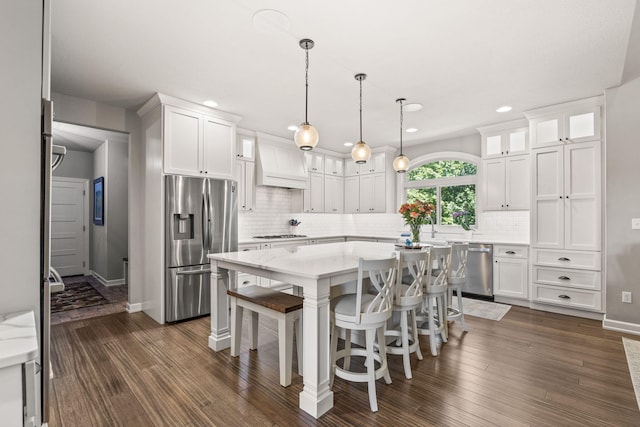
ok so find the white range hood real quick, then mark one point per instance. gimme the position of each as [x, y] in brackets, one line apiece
[280, 163]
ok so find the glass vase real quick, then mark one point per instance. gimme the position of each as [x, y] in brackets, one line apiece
[415, 233]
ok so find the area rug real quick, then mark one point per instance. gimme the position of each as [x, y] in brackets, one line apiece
[632, 350]
[485, 309]
[76, 295]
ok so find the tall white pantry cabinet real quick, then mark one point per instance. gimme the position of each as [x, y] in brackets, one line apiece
[566, 211]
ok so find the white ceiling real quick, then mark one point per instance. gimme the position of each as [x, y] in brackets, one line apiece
[461, 59]
[84, 138]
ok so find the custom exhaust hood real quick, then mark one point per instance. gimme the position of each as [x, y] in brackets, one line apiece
[279, 163]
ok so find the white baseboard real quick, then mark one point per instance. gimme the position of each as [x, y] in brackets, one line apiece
[134, 308]
[616, 325]
[105, 282]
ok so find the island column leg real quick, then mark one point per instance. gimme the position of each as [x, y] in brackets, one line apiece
[316, 397]
[220, 337]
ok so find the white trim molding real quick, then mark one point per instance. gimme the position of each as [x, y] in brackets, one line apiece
[107, 283]
[134, 308]
[617, 325]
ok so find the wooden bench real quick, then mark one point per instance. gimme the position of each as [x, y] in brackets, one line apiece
[285, 308]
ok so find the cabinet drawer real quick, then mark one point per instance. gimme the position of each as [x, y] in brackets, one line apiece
[510, 251]
[574, 298]
[585, 279]
[569, 259]
[248, 247]
[245, 280]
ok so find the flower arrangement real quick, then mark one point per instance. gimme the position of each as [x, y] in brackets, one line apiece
[462, 219]
[415, 214]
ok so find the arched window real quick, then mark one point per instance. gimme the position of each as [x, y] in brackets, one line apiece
[447, 183]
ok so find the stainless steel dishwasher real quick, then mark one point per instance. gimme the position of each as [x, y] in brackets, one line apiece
[479, 270]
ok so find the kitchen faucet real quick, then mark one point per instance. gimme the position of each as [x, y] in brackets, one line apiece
[433, 227]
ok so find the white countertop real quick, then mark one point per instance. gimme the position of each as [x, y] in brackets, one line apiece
[18, 338]
[311, 261]
[477, 238]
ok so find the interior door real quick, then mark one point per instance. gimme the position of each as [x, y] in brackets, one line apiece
[69, 217]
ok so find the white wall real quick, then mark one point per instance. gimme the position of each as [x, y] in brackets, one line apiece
[622, 201]
[99, 232]
[20, 85]
[117, 208]
[76, 164]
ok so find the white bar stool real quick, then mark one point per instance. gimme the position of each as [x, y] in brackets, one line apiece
[285, 308]
[456, 280]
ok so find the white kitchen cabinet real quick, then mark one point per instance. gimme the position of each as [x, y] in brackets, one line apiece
[510, 271]
[196, 144]
[566, 197]
[372, 193]
[326, 240]
[289, 245]
[351, 168]
[498, 141]
[575, 122]
[376, 164]
[245, 145]
[333, 194]
[314, 162]
[506, 183]
[352, 194]
[313, 198]
[333, 166]
[246, 279]
[245, 175]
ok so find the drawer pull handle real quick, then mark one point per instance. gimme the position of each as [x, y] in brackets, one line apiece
[564, 296]
[244, 250]
[564, 278]
[246, 282]
[562, 258]
[511, 252]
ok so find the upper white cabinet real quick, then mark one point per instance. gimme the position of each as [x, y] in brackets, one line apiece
[372, 193]
[566, 197]
[507, 183]
[245, 145]
[333, 166]
[314, 161]
[197, 144]
[579, 121]
[333, 194]
[505, 139]
[245, 175]
[313, 198]
[376, 164]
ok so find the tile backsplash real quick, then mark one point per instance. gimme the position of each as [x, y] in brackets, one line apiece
[274, 208]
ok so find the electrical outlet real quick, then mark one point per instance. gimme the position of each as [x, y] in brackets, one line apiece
[626, 297]
[635, 223]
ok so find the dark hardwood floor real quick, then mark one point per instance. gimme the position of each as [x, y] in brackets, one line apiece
[531, 368]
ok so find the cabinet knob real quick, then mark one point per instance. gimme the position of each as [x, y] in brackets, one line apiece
[566, 197]
[507, 205]
[496, 261]
[200, 171]
[560, 140]
[561, 197]
[502, 152]
[502, 206]
[507, 151]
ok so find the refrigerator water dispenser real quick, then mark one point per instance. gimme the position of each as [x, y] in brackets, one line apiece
[182, 226]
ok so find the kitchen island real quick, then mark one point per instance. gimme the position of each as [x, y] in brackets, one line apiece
[314, 269]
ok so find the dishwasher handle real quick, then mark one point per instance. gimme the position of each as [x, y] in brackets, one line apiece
[485, 250]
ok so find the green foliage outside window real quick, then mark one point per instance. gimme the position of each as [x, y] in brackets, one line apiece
[453, 198]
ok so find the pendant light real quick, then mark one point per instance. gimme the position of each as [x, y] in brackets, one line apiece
[361, 151]
[306, 137]
[401, 163]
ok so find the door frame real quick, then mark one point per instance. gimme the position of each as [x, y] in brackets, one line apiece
[85, 239]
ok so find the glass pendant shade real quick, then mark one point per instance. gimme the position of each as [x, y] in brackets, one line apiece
[361, 152]
[401, 163]
[306, 137]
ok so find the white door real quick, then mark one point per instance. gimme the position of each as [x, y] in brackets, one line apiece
[69, 234]
[517, 180]
[548, 198]
[510, 277]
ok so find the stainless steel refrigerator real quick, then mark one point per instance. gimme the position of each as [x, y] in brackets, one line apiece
[200, 218]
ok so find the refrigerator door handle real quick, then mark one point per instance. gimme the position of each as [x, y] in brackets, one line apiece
[209, 220]
[192, 273]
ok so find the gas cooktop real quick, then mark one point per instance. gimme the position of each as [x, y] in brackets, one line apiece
[280, 236]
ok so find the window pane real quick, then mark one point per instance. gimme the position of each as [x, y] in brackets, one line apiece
[427, 195]
[458, 198]
[442, 169]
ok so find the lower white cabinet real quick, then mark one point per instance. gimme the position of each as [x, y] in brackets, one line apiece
[245, 279]
[327, 240]
[567, 278]
[274, 284]
[510, 271]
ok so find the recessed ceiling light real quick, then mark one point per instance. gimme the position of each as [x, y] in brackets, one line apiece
[503, 109]
[210, 103]
[348, 144]
[270, 21]
[410, 108]
[412, 130]
[293, 128]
